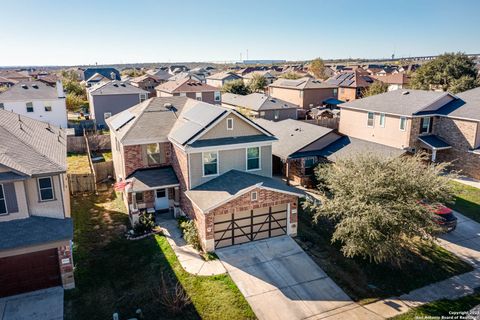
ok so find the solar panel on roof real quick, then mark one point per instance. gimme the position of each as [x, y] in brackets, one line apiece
[203, 113]
[121, 120]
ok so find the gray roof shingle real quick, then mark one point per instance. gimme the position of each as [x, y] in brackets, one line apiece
[302, 83]
[230, 185]
[466, 107]
[151, 178]
[257, 102]
[30, 146]
[115, 87]
[34, 230]
[30, 90]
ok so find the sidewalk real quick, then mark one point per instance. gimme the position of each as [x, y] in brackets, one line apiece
[468, 181]
[189, 258]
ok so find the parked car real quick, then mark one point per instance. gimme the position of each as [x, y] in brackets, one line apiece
[444, 215]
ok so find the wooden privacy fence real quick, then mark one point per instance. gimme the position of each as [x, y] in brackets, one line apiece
[102, 170]
[78, 182]
[97, 142]
[331, 123]
[76, 144]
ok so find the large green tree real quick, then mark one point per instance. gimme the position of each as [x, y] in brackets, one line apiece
[317, 68]
[454, 72]
[376, 87]
[374, 204]
[258, 83]
[236, 87]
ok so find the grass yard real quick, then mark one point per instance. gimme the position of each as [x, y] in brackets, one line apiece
[366, 282]
[467, 200]
[107, 155]
[78, 163]
[116, 275]
[442, 308]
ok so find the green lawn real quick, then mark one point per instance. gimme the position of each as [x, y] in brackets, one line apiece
[116, 275]
[442, 308]
[467, 200]
[78, 163]
[366, 282]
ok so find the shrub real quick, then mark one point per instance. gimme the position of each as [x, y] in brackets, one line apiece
[190, 234]
[145, 224]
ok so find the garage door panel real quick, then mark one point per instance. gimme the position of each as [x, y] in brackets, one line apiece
[29, 272]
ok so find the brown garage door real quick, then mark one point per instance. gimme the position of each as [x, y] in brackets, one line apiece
[250, 225]
[29, 272]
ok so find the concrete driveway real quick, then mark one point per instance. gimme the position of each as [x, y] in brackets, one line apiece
[46, 304]
[280, 281]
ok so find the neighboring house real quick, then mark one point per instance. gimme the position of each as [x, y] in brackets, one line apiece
[95, 79]
[442, 124]
[110, 73]
[187, 75]
[35, 224]
[304, 92]
[37, 100]
[14, 75]
[394, 81]
[259, 105]
[207, 162]
[269, 77]
[295, 154]
[190, 88]
[351, 84]
[161, 74]
[219, 79]
[7, 83]
[148, 83]
[109, 98]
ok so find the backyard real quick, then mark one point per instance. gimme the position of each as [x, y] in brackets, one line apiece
[467, 200]
[366, 281]
[77, 163]
[113, 274]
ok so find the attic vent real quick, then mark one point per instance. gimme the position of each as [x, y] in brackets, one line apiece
[34, 86]
[170, 107]
[405, 93]
[272, 100]
[115, 85]
[123, 85]
[24, 86]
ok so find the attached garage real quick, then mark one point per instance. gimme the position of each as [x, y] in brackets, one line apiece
[29, 272]
[250, 225]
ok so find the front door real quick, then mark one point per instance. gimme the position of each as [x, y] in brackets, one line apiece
[161, 199]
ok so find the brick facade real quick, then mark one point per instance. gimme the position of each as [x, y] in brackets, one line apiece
[135, 157]
[66, 266]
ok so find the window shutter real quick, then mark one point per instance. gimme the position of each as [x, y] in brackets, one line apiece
[10, 197]
[421, 124]
[144, 155]
[431, 125]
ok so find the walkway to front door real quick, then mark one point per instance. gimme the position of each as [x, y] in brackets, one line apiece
[161, 199]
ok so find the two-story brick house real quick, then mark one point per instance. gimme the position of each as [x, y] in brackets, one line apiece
[445, 125]
[207, 162]
[35, 224]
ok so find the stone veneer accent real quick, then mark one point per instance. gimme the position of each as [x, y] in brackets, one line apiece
[66, 268]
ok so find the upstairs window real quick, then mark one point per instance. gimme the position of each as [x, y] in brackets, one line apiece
[217, 95]
[2, 106]
[309, 164]
[230, 124]
[425, 125]
[254, 196]
[154, 154]
[3, 203]
[29, 107]
[382, 120]
[370, 119]
[48, 108]
[403, 123]
[253, 158]
[45, 189]
[143, 97]
[210, 163]
[198, 95]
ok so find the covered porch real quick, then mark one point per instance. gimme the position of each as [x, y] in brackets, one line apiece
[434, 144]
[152, 190]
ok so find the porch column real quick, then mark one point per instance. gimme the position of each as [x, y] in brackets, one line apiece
[134, 201]
[434, 155]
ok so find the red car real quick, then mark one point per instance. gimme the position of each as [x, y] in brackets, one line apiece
[444, 215]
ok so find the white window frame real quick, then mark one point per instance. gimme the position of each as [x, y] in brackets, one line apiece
[4, 201]
[40, 189]
[404, 119]
[230, 124]
[183, 94]
[217, 96]
[26, 107]
[382, 120]
[254, 196]
[203, 164]
[107, 115]
[428, 126]
[143, 97]
[198, 96]
[159, 153]
[47, 106]
[259, 159]
[373, 119]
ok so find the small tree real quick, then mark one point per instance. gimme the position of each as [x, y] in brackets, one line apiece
[73, 87]
[317, 67]
[452, 72]
[236, 87]
[374, 204]
[74, 102]
[258, 83]
[376, 87]
[291, 76]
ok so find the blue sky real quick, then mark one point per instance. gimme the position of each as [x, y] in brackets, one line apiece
[86, 32]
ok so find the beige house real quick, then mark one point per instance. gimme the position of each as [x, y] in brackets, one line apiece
[190, 88]
[207, 162]
[304, 92]
[220, 78]
[35, 224]
[446, 126]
